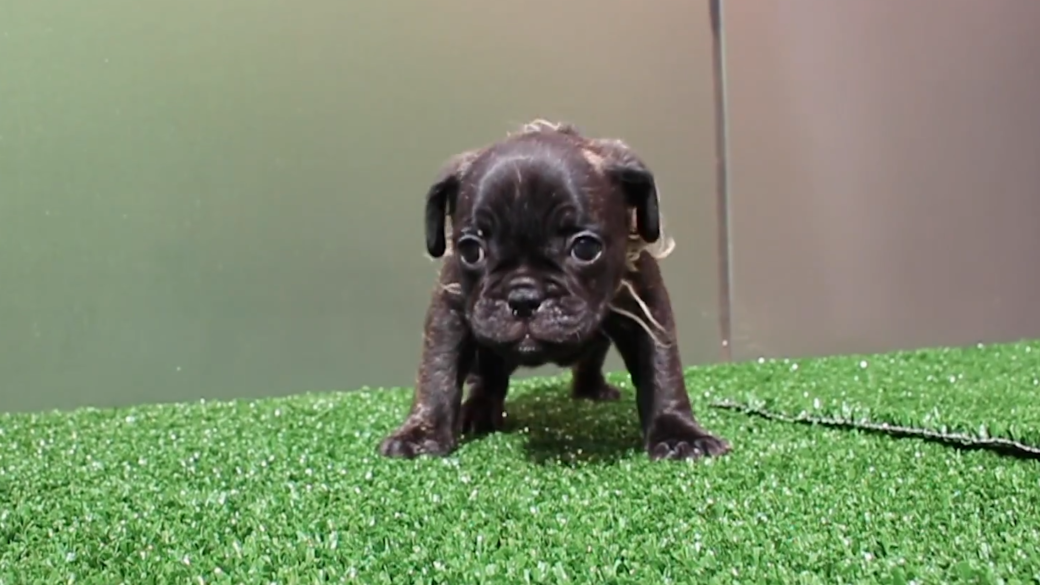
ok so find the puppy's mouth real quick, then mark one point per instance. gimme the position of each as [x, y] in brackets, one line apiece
[556, 325]
[530, 351]
[527, 345]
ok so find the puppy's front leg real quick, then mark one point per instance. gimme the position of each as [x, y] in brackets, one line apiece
[588, 381]
[447, 353]
[670, 429]
[483, 411]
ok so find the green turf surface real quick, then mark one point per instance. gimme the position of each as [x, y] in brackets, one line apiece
[290, 490]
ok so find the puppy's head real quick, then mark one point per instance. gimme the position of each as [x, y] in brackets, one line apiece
[543, 226]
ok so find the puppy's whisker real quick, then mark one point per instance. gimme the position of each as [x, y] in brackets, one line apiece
[538, 125]
[641, 323]
[659, 250]
[642, 305]
[452, 288]
[625, 284]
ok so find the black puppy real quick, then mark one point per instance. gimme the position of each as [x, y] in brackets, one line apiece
[551, 257]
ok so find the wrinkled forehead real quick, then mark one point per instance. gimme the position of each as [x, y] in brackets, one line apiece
[538, 180]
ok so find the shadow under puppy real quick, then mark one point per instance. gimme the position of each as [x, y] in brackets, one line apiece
[549, 258]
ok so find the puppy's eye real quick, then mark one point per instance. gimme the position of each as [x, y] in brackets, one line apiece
[471, 250]
[586, 248]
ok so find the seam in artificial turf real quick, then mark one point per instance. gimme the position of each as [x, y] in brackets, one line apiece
[975, 397]
[997, 445]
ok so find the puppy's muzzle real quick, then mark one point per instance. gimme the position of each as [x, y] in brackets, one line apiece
[524, 297]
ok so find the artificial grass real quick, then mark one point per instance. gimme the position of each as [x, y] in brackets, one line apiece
[291, 490]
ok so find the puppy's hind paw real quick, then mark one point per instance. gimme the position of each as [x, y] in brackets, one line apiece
[596, 390]
[481, 415]
[414, 439]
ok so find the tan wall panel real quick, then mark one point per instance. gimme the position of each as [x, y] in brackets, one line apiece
[885, 173]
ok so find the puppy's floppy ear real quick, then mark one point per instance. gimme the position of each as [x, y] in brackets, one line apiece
[637, 182]
[440, 201]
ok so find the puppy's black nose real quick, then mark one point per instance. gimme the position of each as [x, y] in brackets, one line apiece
[524, 297]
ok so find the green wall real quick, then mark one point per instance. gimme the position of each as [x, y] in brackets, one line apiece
[223, 199]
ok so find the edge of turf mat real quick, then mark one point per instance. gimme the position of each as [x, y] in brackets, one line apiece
[981, 396]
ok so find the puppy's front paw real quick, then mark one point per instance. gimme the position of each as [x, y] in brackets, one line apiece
[598, 390]
[677, 437]
[482, 415]
[416, 438]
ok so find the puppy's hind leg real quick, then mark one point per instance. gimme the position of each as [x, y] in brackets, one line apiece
[589, 383]
[484, 409]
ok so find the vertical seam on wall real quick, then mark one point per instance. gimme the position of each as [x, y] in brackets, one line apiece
[724, 246]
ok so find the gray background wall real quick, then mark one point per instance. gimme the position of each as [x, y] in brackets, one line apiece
[223, 199]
